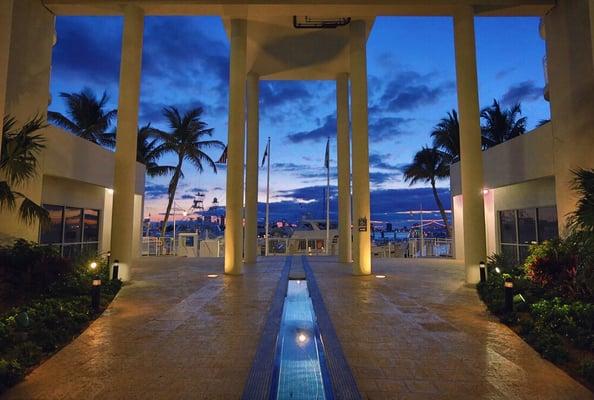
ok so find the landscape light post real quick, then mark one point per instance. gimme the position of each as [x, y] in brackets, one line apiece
[95, 289]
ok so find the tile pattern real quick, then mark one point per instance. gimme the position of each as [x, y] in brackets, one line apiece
[176, 334]
[421, 333]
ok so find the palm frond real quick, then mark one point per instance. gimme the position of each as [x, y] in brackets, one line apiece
[30, 212]
[7, 198]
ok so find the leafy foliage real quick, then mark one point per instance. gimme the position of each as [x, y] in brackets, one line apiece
[19, 164]
[430, 165]
[149, 150]
[582, 219]
[86, 117]
[186, 141]
[38, 328]
[552, 266]
[500, 124]
[446, 136]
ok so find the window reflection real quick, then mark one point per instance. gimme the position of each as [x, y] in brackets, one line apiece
[72, 225]
[53, 233]
[507, 221]
[91, 224]
[547, 223]
[527, 225]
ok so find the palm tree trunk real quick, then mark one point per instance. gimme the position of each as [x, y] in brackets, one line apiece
[441, 209]
[172, 190]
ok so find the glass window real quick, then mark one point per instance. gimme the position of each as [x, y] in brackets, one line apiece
[91, 223]
[547, 224]
[527, 226]
[53, 233]
[72, 225]
[509, 251]
[524, 252]
[507, 222]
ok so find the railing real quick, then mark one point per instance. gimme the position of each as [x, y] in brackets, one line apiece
[430, 247]
[157, 246]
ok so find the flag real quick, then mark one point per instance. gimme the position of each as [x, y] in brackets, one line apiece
[223, 158]
[327, 158]
[265, 153]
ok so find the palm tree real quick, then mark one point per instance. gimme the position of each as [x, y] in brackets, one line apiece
[501, 125]
[186, 141]
[430, 165]
[87, 117]
[583, 216]
[446, 136]
[149, 150]
[18, 164]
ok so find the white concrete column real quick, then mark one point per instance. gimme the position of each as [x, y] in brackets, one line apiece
[591, 6]
[251, 174]
[5, 30]
[361, 209]
[343, 146]
[471, 160]
[123, 221]
[25, 67]
[235, 149]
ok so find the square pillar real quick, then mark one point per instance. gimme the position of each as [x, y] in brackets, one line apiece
[123, 221]
[471, 157]
[343, 146]
[5, 34]
[236, 149]
[251, 174]
[361, 208]
[26, 39]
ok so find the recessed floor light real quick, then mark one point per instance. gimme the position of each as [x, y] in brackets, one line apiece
[212, 275]
[380, 276]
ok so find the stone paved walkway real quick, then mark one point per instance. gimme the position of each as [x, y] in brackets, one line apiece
[420, 333]
[174, 333]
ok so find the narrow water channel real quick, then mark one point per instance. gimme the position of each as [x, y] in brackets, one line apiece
[300, 368]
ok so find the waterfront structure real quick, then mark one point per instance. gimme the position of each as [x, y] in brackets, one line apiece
[291, 40]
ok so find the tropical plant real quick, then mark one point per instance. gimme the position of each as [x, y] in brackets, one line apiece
[582, 218]
[501, 124]
[552, 266]
[430, 165]
[185, 140]
[446, 136]
[18, 164]
[149, 150]
[87, 117]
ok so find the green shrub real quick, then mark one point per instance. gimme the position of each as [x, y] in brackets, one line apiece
[587, 370]
[10, 373]
[548, 344]
[552, 266]
[573, 320]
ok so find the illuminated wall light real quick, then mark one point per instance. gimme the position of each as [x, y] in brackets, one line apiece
[109, 190]
[485, 192]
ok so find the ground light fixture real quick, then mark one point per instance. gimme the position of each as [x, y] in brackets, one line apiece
[116, 270]
[380, 276]
[508, 290]
[212, 275]
[95, 289]
[483, 271]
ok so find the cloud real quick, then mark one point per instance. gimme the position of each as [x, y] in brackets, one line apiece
[327, 129]
[187, 197]
[378, 161]
[523, 91]
[409, 90]
[386, 128]
[274, 94]
[155, 191]
[505, 72]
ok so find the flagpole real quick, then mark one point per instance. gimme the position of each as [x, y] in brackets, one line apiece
[267, 221]
[328, 197]
[422, 233]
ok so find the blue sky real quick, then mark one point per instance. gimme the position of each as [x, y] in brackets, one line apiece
[411, 74]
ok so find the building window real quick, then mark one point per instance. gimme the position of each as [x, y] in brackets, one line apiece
[521, 228]
[72, 230]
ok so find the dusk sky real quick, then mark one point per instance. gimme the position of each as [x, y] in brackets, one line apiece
[411, 74]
